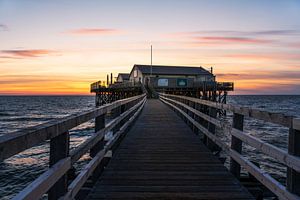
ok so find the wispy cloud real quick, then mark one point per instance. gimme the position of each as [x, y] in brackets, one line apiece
[3, 27]
[29, 78]
[265, 75]
[225, 37]
[94, 31]
[275, 32]
[25, 53]
[264, 82]
[267, 88]
[239, 33]
[261, 56]
[235, 40]
[294, 45]
[217, 41]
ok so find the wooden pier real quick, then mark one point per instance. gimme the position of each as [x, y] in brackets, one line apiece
[161, 158]
[153, 154]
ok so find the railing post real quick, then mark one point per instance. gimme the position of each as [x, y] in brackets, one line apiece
[205, 123]
[99, 124]
[59, 149]
[211, 128]
[185, 110]
[198, 119]
[190, 113]
[116, 113]
[293, 177]
[236, 144]
[195, 129]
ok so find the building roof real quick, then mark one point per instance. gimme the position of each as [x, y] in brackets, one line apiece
[172, 70]
[124, 76]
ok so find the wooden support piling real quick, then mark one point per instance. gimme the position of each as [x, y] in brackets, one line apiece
[236, 144]
[99, 124]
[293, 177]
[59, 149]
[211, 128]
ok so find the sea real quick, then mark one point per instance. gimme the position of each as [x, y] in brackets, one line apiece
[19, 112]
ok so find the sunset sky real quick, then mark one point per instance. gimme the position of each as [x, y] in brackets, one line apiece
[60, 47]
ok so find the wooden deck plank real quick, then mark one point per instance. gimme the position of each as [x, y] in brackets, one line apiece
[161, 158]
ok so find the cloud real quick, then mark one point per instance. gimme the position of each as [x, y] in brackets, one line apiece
[264, 75]
[235, 40]
[93, 31]
[276, 32]
[294, 45]
[219, 37]
[268, 89]
[26, 78]
[239, 33]
[25, 53]
[263, 82]
[3, 27]
[258, 56]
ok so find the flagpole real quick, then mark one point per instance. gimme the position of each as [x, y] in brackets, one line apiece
[151, 62]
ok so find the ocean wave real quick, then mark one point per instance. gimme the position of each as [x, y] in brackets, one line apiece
[18, 119]
[6, 114]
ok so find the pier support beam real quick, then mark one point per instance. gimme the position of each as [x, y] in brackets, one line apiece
[59, 149]
[99, 124]
[236, 144]
[211, 128]
[293, 177]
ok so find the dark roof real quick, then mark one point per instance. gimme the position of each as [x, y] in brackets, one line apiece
[124, 76]
[172, 70]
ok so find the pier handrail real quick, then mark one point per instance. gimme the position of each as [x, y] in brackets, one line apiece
[190, 109]
[54, 180]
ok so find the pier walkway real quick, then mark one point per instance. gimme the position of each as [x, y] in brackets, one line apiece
[161, 158]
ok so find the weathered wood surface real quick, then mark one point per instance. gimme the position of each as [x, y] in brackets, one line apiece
[42, 184]
[161, 158]
[99, 135]
[269, 149]
[90, 168]
[60, 160]
[236, 144]
[268, 181]
[293, 176]
[282, 156]
[13, 143]
[277, 118]
[59, 149]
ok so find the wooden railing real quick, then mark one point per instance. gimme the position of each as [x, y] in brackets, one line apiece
[96, 86]
[192, 110]
[55, 181]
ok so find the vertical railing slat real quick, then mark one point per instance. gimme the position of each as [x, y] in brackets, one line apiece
[293, 177]
[211, 128]
[236, 144]
[99, 124]
[59, 149]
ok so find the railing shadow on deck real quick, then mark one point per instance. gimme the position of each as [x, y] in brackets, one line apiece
[192, 111]
[55, 181]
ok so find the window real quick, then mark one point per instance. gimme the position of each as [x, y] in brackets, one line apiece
[163, 82]
[135, 73]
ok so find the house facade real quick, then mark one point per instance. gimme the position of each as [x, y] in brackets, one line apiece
[169, 76]
[123, 77]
